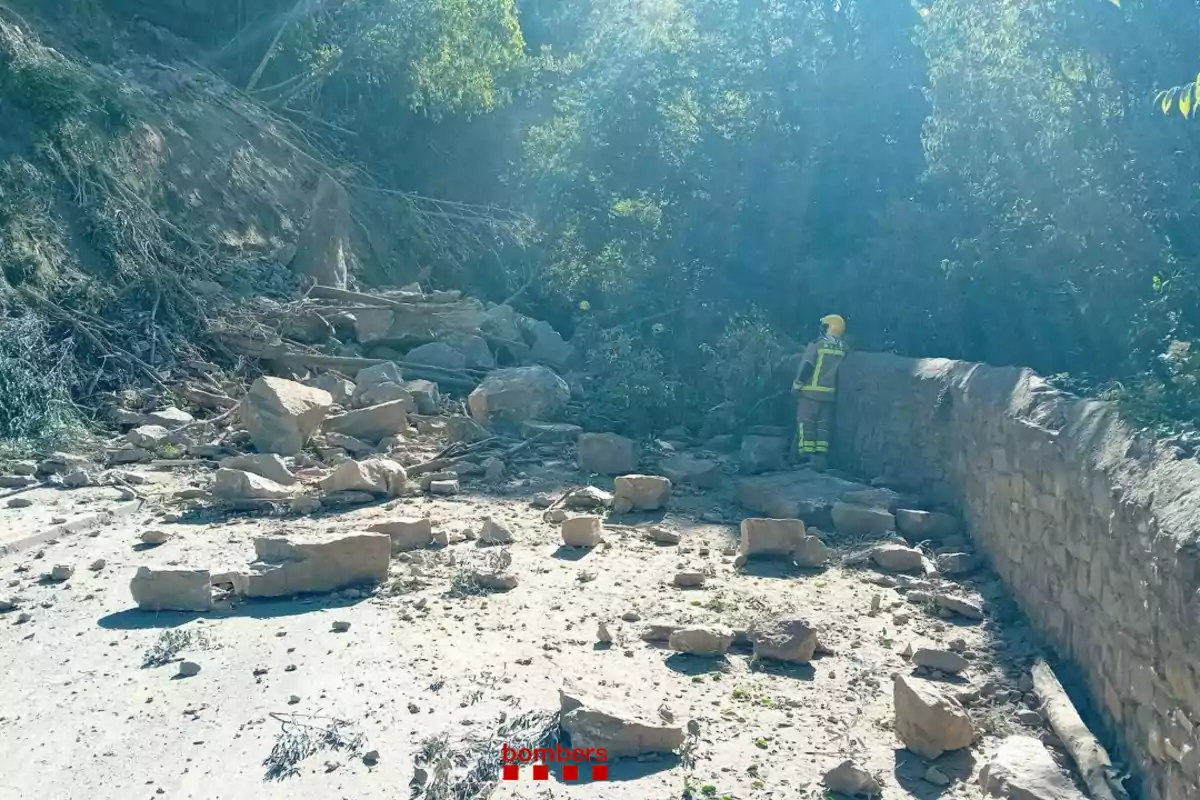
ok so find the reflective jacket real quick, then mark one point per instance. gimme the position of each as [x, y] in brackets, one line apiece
[826, 355]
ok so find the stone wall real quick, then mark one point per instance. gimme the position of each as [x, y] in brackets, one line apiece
[1094, 531]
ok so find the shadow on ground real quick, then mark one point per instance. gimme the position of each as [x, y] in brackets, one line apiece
[137, 619]
[911, 769]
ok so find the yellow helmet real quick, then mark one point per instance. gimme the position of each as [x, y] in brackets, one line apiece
[835, 323]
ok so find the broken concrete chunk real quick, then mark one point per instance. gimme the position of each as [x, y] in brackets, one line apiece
[281, 415]
[850, 779]
[148, 436]
[607, 454]
[942, 660]
[897, 558]
[599, 718]
[792, 640]
[688, 470]
[268, 465]
[1023, 769]
[922, 525]
[518, 394]
[377, 476]
[644, 492]
[582, 531]
[234, 485]
[862, 522]
[493, 532]
[928, 721]
[702, 640]
[406, 534]
[371, 423]
[172, 589]
[288, 565]
[762, 454]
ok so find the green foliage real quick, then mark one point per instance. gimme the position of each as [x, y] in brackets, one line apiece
[634, 390]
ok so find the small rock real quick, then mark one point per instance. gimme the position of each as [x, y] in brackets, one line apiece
[268, 465]
[793, 640]
[762, 454]
[602, 633]
[377, 476]
[957, 605]
[23, 617]
[341, 626]
[371, 758]
[7, 604]
[188, 668]
[19, 502]
[850, 779]
[97, 565]
[77, 479]
[861, 521]
[154, 537]
[236, 485]
[936, 777]
[957, 563]
[1027, 716]
[701, 640]
[928, 721]
[587, 498]
[921, 525]
[942, 660]
[688, 470]
[663, 536]
[493, 532]
[689, 579]
[293, 699]
[495, 581]
[582, 531]
[61, 572]
[557, 515]
[170, 418]
[444, 488]
[493, 470]
[148, 436]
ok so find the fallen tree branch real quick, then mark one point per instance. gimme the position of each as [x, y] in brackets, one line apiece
[462, 380]
[333, 293]
[1086, 751]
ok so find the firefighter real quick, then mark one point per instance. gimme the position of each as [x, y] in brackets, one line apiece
[815, 388]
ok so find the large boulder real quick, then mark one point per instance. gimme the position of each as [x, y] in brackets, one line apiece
[685, 469]
[268, 465]
[921, 525]
[474, 349]
[518, 394]
[763, 454]
[607, 454]
[288, 565]
[373, 422]
[785, 640]
[641, 492]
[598, 717]
[800, 494]
[425, 396]
[929, 721]
[437, 354]
[148, 436]
[172, 589]
[862, 521]
[782, 537]
[235, 485]
[340, 389]
[547, 346]
[377, 476]
[1022, 769]
[281, 415]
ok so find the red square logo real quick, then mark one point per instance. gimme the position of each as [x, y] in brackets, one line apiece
[541, 772]
[599, 772]
[570, 772]
[512, 772]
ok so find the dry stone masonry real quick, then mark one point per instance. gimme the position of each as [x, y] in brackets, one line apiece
[1093, 529]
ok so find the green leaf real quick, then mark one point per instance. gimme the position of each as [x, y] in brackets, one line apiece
[1157, 283]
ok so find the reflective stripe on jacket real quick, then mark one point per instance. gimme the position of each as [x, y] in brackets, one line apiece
[826, 355]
